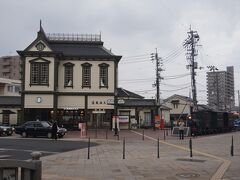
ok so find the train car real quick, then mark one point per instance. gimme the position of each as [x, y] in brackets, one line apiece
[211, 122]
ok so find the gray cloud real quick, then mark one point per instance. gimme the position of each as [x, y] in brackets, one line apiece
[131, 28]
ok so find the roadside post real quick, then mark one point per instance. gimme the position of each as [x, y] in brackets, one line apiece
[88, 148]
[143, 135]
[190, 147]
[124, 148]
[232, 153]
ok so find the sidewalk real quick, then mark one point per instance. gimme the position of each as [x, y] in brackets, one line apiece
[106, 160]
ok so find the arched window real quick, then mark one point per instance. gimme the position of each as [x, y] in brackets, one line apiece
[103, 75]
[39, 73]
[86, 75]
[68, 74]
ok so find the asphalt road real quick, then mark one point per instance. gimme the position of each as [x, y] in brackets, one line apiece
[15, 148]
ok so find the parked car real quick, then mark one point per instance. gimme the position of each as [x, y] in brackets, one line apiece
[38, 128]
[6, 130]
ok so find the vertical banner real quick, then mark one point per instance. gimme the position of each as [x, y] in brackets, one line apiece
[114, 119]
[157, 121]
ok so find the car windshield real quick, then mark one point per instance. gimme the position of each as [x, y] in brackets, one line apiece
[46, 124]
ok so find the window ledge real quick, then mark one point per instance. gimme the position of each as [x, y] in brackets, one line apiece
[86, 87]
[100, 87]
[39, 85]
[68, 86]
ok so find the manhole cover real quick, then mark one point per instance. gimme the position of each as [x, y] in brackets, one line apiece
[187, 175]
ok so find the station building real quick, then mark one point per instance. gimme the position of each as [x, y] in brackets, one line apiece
[69, 78]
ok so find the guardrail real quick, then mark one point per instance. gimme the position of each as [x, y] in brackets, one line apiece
[12, 169]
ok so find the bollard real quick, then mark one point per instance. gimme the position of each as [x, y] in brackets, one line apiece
[232, 154]
[143, 135]
[107, 133]
[37, 173]
[124, 148]
[36, 155]
[190, 147]
[158, 155]
[164, 135]
[88, 148]
[167, 131]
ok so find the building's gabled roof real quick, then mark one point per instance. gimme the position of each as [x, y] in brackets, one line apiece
[123, 93]
[72, 45]
[80, 49]
[10, 101]
[142, 103]
[177, 96]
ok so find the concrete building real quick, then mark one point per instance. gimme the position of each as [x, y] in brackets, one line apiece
[10, 101]
[220, 89]
[10, 67]
[69, 78]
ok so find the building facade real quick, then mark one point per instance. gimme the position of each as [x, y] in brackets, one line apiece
[68, 78]
[180, 107]
[220, 89]
[135, 111]
[10, 67]
[10, 101]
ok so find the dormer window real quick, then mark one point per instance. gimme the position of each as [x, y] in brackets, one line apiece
[40, 46]
[103, 75]
[86, 75]
[68, 74]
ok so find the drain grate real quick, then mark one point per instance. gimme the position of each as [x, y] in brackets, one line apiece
[190, 160]
[187, 175]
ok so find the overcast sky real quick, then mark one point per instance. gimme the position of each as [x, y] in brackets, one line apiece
[134, 29]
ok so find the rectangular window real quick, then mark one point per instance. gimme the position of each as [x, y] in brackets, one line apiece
[104, 76]
[39, 73]
[147, 118]
[68, 81]
[10, 88]
[86, 81]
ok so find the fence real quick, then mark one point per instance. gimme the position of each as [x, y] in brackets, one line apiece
[11, 169]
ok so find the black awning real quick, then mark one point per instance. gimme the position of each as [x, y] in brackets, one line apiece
[7, 112]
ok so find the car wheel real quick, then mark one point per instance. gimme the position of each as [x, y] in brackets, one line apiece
[61, 135]
[49, 135]
[9, 134]
[24, 134]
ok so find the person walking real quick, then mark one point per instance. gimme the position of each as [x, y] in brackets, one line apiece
[54, 130]
[181, 129]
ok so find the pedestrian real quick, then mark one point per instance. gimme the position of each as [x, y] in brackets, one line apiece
[54, 130]
[181, 129]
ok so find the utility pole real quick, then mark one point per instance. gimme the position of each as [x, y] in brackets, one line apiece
[157, 84]
[190, 45]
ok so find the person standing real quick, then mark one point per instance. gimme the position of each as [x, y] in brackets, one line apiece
[181, 129]
[54, 130]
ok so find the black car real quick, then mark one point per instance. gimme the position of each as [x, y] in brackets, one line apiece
[38, 128]
[6, 130]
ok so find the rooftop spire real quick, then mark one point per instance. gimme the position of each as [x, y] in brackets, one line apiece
[40, 24]
[41, 31]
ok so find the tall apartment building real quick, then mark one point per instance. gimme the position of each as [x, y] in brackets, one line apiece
[10, 67]
[220, 89]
